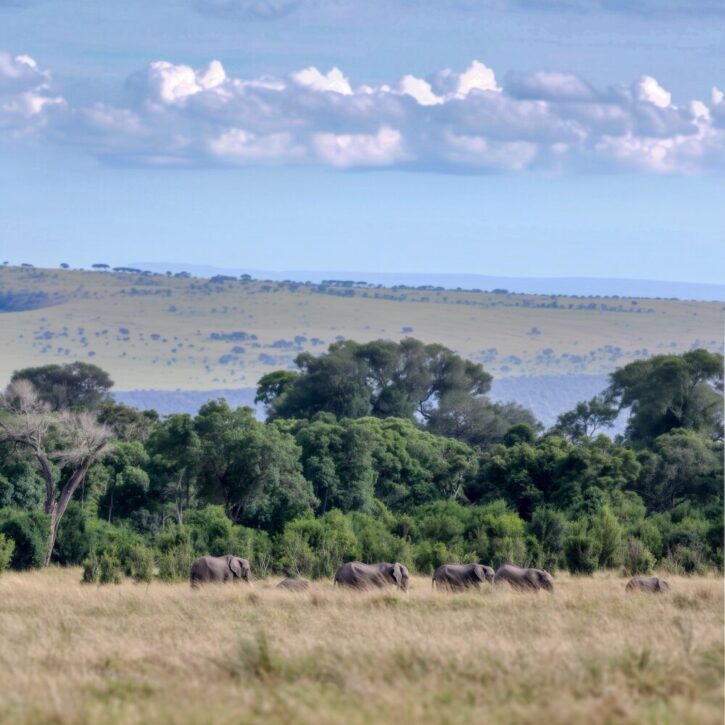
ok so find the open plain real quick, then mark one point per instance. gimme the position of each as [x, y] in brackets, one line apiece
[72, 653]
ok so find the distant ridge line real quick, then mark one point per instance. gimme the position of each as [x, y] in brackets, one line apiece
[575, 286]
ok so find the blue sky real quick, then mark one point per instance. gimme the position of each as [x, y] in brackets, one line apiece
[511, 137]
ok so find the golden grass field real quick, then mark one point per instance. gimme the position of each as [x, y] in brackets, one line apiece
[590, 653]
[169, 323]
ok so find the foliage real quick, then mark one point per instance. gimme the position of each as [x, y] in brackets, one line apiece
[387, 481]
[637, 558]
[28, 530]
[666, 392]
[7, 547]
[581, 554]
[76, 386]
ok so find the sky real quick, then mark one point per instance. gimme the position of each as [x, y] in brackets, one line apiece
[501, 137]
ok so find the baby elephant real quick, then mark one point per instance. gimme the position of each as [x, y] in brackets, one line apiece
[462, 576]
[294, 585]
[212, 569]
[647, 584]
[519, 578]
[357, 575]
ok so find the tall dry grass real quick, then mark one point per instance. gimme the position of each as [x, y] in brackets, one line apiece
[163, 653]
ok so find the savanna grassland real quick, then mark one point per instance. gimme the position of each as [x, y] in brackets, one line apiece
[130, 653]
[167, 333]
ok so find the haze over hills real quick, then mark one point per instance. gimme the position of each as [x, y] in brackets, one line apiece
[579, 286]
[173, 342]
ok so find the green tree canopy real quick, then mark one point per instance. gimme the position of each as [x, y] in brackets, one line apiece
[671, 391]
[380, 378]
[75, 386]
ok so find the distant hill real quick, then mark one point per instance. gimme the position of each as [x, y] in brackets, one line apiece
[173, 342]
[579, 286]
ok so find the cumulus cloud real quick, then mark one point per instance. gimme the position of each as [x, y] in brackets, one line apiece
[26, 98]
[333, 81]
[450, 121]
[383, 148]
[649, 90]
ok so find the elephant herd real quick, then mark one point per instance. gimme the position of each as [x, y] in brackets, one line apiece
[356, 575]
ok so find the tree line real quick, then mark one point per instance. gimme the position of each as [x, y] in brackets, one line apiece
[376, 451]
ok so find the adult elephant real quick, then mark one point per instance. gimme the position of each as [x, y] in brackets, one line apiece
[213, 569]
[292, 584]
[462, 576]
[357, 575]
[647, 584]
[527, 578]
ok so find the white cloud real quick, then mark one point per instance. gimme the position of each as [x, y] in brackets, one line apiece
[420, 90]
[333, 81]
[26, 96]
[649, 90]
[346, 150]
[548, 85]
[237, 145]
[477, 77]
[450, 121]
[168, 83]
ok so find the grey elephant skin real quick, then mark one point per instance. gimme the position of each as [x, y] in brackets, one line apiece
[357, 575]
[520, 578]
[462, 576]
[647, 584]
[220, 569]
[292, 584]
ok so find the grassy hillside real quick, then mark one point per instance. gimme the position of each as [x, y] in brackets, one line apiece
[167, 333]
[164, 653]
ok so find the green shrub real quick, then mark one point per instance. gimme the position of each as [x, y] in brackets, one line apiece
[549, 527]
[80, 532]
[638, 559]
[91, 569]
[581, 554]
[140, 564]
[686, 560]
[316, 547]
[6, 552]
[429, 555]
[109, 569]
[29, 530]
[607, 533]
[175, 562]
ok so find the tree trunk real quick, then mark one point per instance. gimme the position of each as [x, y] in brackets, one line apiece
[58, 508]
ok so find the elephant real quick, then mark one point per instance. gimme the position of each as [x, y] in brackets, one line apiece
[292, 584]
[209, 569]
[519, 578]
[462, 576]
[647, 584]
[357, 575]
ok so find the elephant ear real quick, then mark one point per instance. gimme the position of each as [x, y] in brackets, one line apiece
[235, 565]
[398, 574]
[480, 572]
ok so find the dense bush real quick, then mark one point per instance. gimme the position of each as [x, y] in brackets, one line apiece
[6, 552]
[638, 559]
[581, 554]
[29, 532]
[395, 454]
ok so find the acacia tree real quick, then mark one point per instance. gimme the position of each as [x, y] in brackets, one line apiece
[64, 445]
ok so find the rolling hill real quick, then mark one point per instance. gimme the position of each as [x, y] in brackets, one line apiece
[177, 334]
